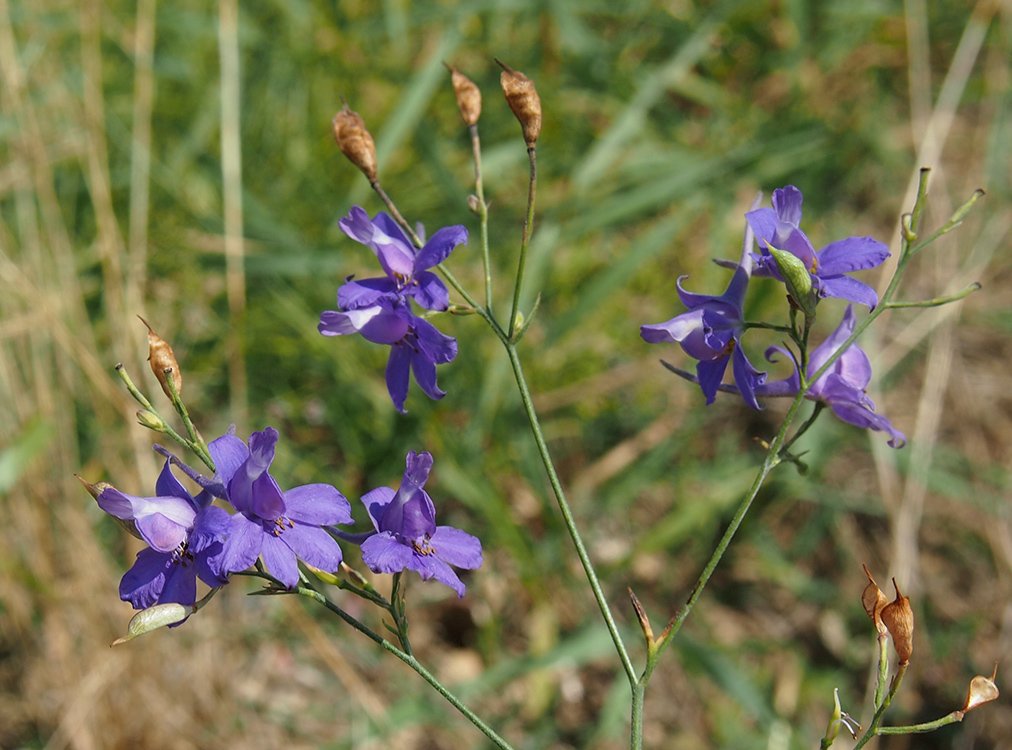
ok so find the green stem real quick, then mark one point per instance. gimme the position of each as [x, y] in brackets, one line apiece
[567, 514]
[408, 659]
[873, 728]
[482, 207]
[937, 301]
[196, 442]
[525, 238]
[883, 669]
[928, 726]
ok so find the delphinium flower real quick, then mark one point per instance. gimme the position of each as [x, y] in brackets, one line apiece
[406, 532]
[415, 344]
[779, 227]
[711, 332]
[277, 526]
[407, 269]
[842, 386]
[380, 308]
[185, 535]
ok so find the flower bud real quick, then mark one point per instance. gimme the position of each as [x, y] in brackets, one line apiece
[523, 99]
[473, 204]
[151, 420]
[835, 720]
[468, 97]
[982, 690]
[899, 620]
[797, 280]
[153, 618]
[874, 601]
[355, 141]
[163, 362]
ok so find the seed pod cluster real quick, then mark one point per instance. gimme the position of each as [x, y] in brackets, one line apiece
[355, 141]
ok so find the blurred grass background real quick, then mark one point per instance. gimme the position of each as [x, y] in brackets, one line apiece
[174, 160]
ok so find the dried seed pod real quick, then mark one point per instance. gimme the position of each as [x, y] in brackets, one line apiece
[163, 362]
[899, 620]
[355, 141]
[874, 601]
[523, 99]
[982, 690]
[468, 97]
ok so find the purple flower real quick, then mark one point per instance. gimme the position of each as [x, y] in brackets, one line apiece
[407, 273]
[778, 227]
[711, 333]
[415, 344]
[184, 535]
[842, 386]
[406, 532]
[278, 526]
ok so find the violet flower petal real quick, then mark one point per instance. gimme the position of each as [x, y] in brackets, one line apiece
[317, 505]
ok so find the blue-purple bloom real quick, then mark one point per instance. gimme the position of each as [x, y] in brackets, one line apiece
[842, 386]
[407, 269]
[415, 344]
[184, 534]
[779, 227]
[380, 308]
[278, 526]
[711, 332]
[406, 532]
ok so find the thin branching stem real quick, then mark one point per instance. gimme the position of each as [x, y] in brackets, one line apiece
[525, 239]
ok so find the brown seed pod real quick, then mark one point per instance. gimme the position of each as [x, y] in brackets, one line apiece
[523, 99]
[874, 601]
[468, 96]
[163, 361]
[355, 141]
[981, 690]
[899, 620]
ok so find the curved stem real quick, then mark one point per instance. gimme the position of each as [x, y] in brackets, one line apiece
[408, 659]
[525, 239]
[567, 514]
[482, 209]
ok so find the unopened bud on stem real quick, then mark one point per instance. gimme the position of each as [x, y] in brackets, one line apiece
[355, 141]
[523, 99]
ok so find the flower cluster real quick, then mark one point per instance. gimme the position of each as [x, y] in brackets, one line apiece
[380, 308]
[189, 537]
[712, 329]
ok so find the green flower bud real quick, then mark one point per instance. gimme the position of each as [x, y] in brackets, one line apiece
[154, 618]
[797, 279]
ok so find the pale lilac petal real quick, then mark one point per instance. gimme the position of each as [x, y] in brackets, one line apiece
[314, 546]
[376, 502]
[397, 375]
[279, 559]
[413, 518]
[456, 547]
[317, 504]
[417, 467]
[692, 300]
[431, 292]
[384, 554]
[117, 504]
[850, 289]
[162, 533]
[439, 247]
[851, 254]
[242, 545]
[429, 567]
[379, 324]
[384, 237]
[676, 329]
